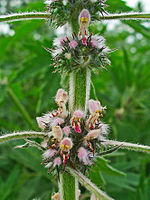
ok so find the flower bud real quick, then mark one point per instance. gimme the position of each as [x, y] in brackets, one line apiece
[92, 134]
[94, 106]
[84, 18]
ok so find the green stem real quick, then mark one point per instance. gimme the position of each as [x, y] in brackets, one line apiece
[21, 108]
[44, 15]
[68, 187]
[79, 90]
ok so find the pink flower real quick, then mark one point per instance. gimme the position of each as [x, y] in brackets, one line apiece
[84, 41]
[61, 96]
[57, 161]
[84, 20]
[63, 40]
[49, 153]
[79, 114]
[57, 132]
[58, 121]
[83, 156]
[73, 44]
[66, 144]
[76, 120]
[66, 130]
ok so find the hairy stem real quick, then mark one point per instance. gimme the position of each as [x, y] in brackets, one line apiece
[44, 15]
[24, 16]
[89, 185]
[68, 187]
[21, 135]
[21, 108]
[126, 16]
[79, 90]
[129, 146]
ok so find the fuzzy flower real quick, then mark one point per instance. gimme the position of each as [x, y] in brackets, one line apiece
[73, 44]
[49, 153]
[57, 161]
[61, 99]
[96, 110]
[58, 121]
[97, 41]
[61, 96]
[83, 156]
[104, 129]
[66, 144]
[76, 120]
[44, 121]
[60, 41]
[57, 132]
[92, 134]
[66, 130]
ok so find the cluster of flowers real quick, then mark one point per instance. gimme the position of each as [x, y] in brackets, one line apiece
[62, 10]
[72, 53]
[72, 139]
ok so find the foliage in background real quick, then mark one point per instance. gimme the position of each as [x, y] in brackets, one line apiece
[25, 73]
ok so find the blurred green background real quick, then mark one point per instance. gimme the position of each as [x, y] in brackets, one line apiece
[28, 87]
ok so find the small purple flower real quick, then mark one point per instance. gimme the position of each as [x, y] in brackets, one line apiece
[73, 44]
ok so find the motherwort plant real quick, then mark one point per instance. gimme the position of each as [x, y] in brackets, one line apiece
[75, 135]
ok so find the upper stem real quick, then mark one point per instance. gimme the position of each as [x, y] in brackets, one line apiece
[79, 89]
